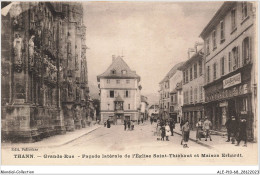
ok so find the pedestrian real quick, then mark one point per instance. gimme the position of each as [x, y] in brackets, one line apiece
[227, 124]
[233, 129]
[167, 131]
[182, 123]
[125, 123]
[199, 126]
[132, 125]
[128, 125]
[158, 132]
[206, 126]
[162, 132]
[108, 123]
[242, 132]
[142, 119]
[105, 124]
[172, 126]
[151, 120]
[185, 134]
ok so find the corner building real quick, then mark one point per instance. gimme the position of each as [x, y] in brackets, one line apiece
[230, 66]
[120, 96]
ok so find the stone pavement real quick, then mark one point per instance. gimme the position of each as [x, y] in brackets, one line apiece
[54, 141]
[217, 140]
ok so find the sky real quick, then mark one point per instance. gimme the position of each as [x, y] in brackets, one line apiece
[152, 36]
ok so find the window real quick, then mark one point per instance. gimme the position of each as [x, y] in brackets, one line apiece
[214, 43]
[124, 72]
[113, 71]
[128, 106]
[244, 10]
[200, 67]
[214, 71]
[201, 93]
[108, 81]
[191, 74]
[222, 31]
[112, 94]
[208, 72]
[233, 19]
[69, 47]
[117, 81]
[195, 94]
[127, 94]
[183, 77]
[246, 52]
[172, 98]
[191, 95]
[235, 58]
[207, 46]
[187, 76]
[222, 63]
[168, 105]
[195, 70]
[127, 81]
[229, 62]
[171, 108]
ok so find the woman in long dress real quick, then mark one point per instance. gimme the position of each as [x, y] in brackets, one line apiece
[168, 131]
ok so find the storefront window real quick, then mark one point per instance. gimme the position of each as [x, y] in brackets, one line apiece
[246, 50]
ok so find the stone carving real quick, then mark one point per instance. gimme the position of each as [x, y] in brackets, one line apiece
[31, 51]
[17, 46]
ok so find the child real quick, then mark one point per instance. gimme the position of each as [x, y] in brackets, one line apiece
[162, 132]
[186, 134]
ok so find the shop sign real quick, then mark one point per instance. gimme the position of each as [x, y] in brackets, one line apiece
[223, 104]
[231, 81]
[243, 112]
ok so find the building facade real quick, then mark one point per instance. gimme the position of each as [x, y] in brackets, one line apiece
[153, 111]
[192, 88]
[177, 102]
[44, 70]
[144, 108]
[230, 65]
[166, 86]
[174, 105]
[120, 96]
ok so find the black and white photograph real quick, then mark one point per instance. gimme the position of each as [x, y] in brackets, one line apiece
[129, 83]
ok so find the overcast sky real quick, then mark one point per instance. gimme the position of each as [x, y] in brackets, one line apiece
[153, 36]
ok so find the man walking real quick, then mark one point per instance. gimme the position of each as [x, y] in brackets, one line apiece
[242, 132]
[199, 126]
[207, 125]
[227, 124]
[125, 123]
[233, 129]
[172, 124]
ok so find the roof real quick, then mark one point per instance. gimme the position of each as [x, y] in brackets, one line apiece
[118, 65]
[154, 107]
[171, 72]
[174, 91]
[222, 11]
[195, 57]
[119, 98]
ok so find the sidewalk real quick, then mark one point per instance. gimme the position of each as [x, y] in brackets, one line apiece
[54, 141]
[217, 140]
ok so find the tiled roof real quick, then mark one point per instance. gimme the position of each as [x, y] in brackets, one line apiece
[171, 72]
[118, 65]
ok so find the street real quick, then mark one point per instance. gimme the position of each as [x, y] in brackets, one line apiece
[103, 145]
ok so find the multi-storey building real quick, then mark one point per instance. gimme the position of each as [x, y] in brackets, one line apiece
[120, 96]
[174, 106]
[192, 88]
[230, 65]
[165, 89]
[144, 108]
[176, 102]
[40, 69]
[153, 111]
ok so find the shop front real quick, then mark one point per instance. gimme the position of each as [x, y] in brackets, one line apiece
[192, 113]
[230, 96]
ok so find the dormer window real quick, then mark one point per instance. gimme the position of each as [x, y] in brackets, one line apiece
[123, 72]
[113, 71]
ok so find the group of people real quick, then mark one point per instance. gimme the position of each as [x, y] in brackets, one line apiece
[129, 125]
[164, 129]
[236, 130]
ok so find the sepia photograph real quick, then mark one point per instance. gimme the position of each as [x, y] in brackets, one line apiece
[129, 83]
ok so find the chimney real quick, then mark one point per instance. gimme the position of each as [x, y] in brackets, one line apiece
[113, 58]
